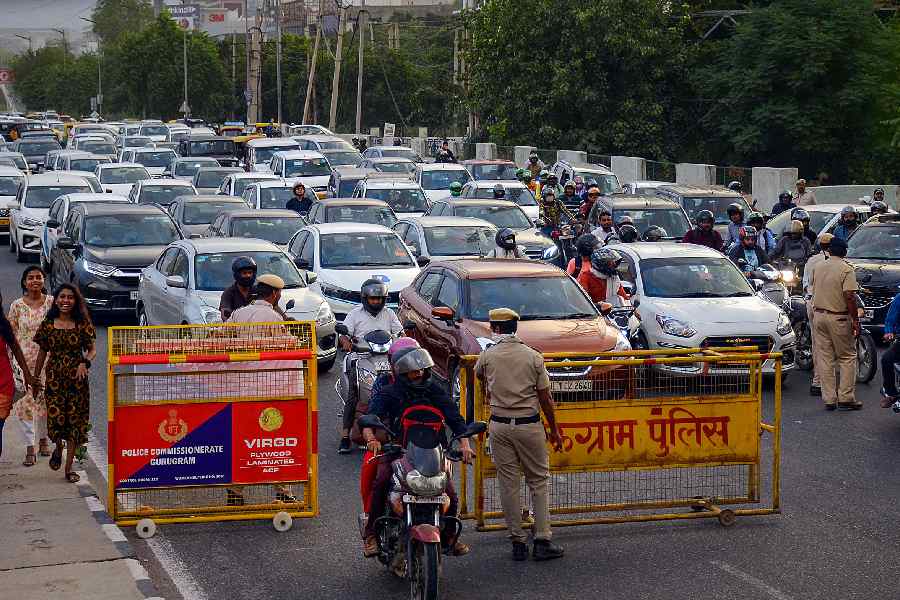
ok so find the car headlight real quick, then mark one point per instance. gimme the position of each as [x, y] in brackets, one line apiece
[99, 268]
[420, 485]
[784, 324]
[550, 252]
[673, 326]
[210, 314]
[324, 316]
[484, 342]
[29, 222]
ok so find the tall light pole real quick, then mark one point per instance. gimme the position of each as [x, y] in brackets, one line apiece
[28, 39]
[278, 55]
[185, 108]
[62, 32]
[361, 23]
[99, 70]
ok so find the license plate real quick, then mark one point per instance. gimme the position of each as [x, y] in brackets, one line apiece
[4, 222]
[868, 314]
[409, 499]
[582, 385]
[133, 295]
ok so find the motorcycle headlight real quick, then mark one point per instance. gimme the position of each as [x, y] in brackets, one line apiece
[787, 276]
[420, 485]
[673, 326]
[324, 316]
[211, 315]
[550, 252]
[784, 324]
[99, 268]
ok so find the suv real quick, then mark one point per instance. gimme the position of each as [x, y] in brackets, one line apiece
[59, 212]
[436, 178]
[35, 150]
[874, 253]
[306, 166]
[644, 212]
[606, 179]
[220, 148]
[694, 198]
[195, 213]
[32, 207]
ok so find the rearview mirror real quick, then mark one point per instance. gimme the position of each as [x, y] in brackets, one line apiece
[175, 281]
[290, 304]
[444, 313]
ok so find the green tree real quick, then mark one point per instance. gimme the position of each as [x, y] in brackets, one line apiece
[112, 18]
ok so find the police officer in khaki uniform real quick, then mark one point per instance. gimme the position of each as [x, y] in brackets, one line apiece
[835, 327]
[814, 261]
[518, 388]
[803, 197]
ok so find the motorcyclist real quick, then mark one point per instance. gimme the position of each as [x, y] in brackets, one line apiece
[445, 154]
[551, 212]
[735, 222]
[535, 165]
[601, 281]
[531, 184]
[654, 233]
[878, 207]
[499, 192]
[506, 245]
[604, 229]
[519, 173]
[800, 214]
[299, 202]
[705, 234]
[552, 184]
[569, 197]
[584, 246]
[236, 296]
[793, 246]
[785, 202]
[370, 315]
[414, 386]
[628, 233]
[543, 176]
[587, 204]
[765, 237]
[579, 185]
[747, 251]
[848, 223]
[455, 189]
[736, 186]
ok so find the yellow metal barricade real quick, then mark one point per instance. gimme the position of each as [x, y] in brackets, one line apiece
[213, 423]
[644, 431]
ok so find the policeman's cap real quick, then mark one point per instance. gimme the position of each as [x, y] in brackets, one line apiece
[502, 315]
[271, 280]
[825, 239]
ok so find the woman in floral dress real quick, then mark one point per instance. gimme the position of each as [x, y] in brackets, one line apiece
[25, 315]
[67, 336]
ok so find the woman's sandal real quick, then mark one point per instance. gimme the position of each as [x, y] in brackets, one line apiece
[44, 448]
[56, 458]
[30, 459]
[73, 477]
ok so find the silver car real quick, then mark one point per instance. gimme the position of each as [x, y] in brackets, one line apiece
[446, 238]
[185, 284]
[208, 179]
[194, 213]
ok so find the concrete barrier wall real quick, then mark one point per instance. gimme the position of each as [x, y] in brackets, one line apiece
[851, 194]
[694, 174]
[520, 155]
[573, 156]
[486, 151]
[769, 182]
[629, 168]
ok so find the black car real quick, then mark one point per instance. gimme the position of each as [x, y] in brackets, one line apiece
[220, 148]
[35, 150]
[874, 252]
[105, 246]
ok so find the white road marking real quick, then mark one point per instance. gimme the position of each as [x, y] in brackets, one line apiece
[114, 533]
[137, 569]
[94, 504]
[759, 584]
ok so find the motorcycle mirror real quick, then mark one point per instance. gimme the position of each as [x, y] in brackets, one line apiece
[635, 302]
[341, 329]
[290, 304]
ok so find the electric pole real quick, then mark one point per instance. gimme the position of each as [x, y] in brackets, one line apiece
[312, 67]
[278, 55]
[361, 23]
[336, 82]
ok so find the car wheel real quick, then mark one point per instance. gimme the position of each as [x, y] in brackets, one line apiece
[143, 321]
[326, 365]
[19, 256]
[12, 240]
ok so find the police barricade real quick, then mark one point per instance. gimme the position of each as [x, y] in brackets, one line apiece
[643, 431]
[212, 423]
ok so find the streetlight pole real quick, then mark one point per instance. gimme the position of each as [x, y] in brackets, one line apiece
[28, 39]
[278, 55]
[62, 32]
[99, 70]
[361, 23]
[185, 108]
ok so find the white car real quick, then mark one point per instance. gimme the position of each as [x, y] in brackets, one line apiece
[515, 191]
[236, 183]
[306, 166]
[273, 194]
[158, 132]
[436, 178]
[261, 150]
[344, 255]
[119, 178]
[643, 188]
[155, 159]
[406, 197]
[823, 218]
[693, 297]
[160, 191]
[57, 215]
[29, 213]
[11, 179]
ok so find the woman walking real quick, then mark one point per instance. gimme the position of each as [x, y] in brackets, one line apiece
[25, 315]
[7, 381]
[68, 337]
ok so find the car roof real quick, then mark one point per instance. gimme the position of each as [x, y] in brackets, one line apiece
[349, 171]
[321, 137]
[246, 213]
[220, 168]
[102, 208]
[617, 201]
[272, 183]
[442, 167]
[82, 154]
[165, 181]
[325, 228]
[266, 142]
[668, 250]
[95, 197]
[116, 165]
[255, 175]
[208, 159]
[329, 202]
[485, 161]
[833, 208]
[391, 182]
[147, 149]
[427, 222]
[206, 137]
[499, 268]
[10, 172]
[287, 154]
[212, 198]
[226, 244]
[478, 202]
[589, 167]
[55, 178]
[490, 183]
[335, 150]
[378, 160]
[700, 190]
[383, 147]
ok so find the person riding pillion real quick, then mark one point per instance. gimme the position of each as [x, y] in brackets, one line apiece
[535, 165]
[550, 211]
[704, 233]
[800, 214]
[848, 223]
[765, 237]
[785, 202]
[793, 246]
[506, 246]
[601, 281]
[584, 246]
[735, 222]
[299, 203]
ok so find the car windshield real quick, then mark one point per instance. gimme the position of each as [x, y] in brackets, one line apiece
[277, 197]
[43, 196]
[500, 216]
[263, 154]
[363, 251]
[13, 161]
[154, 130]
[817, 220]
[534, 298]
[344, 157]
[401, 200]
[717, 206]
[306, 167]
[132, 129]
[240, 184]
[123, 175]
[459, 241]
[376, 215]
[334, 145]
[177, 136]
[9, 186]
[212, 147]
[97, 147]
[686, 277]
[110, 231]
[203, 213]
[163, 194]
[442, 179]
[186, 168]
[520, 195]
[401, 152]
[86, 164]
[493, 171]
[278, 230]
[607, 183]
[399, 166]
[670, 219]
[155, 159]
[879, 242]
[31, 148]
[211, 178]
[212, 272]
[136, 142]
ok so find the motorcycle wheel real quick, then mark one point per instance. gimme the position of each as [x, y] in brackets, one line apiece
[866, 358]
[424, 571]
[804, 348]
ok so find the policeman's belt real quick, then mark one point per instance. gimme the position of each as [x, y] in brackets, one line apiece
[517, 420]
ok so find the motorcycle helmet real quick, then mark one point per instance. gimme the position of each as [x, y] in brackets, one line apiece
[628, 233]
[747, 232]
[414, 359]
[399, 344]
[455, 188]
[735, 208]
[736, 186]
[624, 220]
[797, 227]
[533, 157]
[569, 184]
[655, 234]
[519, 174]
[606, 261]
[544, 174]
[243, 263]
[552, 179]
[879, 208]
[506, 239]
[373, 289]
[848, 211]
[798, 214]
[706, 216]
[526, 177]
[499, 192]
[585, 244]
[784, 197]
[757, 220]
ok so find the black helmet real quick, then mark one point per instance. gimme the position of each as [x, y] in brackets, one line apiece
[655, 234]
[756, 216]
[798, 214]
[706, 215]
[736, 186]
[624, 220]
[735, 208]
[785, 195]
[585, 244]
[879, 208]
[414, 359]
[242, 263]
[499, 191]
[373, 288]
[506, 238]
[628, 233]
[606, 260]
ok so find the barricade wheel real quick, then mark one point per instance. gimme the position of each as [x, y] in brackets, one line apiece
[282, 521]
[727, 518]
[146, 528]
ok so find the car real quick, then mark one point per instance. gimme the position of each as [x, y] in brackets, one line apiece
[155, 159]
[59, 212]
[186, 168]
[306, 166]
[272, 194]
[447, 238]
[89, 178]
[605, 179]
[236, 183]
[173, 146]
[389, 165]
[322, 142]
[11, 179]
[694, 198]
[823, 218]
[344, 255]
[220, 148]
[156, 131]
[436, 178]
[49, 158]
[500, 213]
[119, 178]
[343, 180]
[492, 170]
[184, 285]
[32, 205]
[393, 152]
[195, 213]
[309, 130]
[81, 161]
[276, 226]
[15, 159]
[105, 246]
[874, 252]
[483, 189]
[35, 150]
[102, 146]
[337, 157]
[352, 210]
[76, 142]
[694, 297]
[403, 195]
[134, 141]
[645, 212]
[259, 152]
[643, 187]
[160, 191]
[448, 304]
[208, 179]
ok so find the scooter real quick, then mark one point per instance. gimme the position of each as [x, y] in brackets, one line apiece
[371, 356]
[409, 530]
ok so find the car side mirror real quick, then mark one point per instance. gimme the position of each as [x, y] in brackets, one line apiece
[422, 260]
[311, 278]
[301, 263]
[635, 302]
[341, 329]
[290, 304]
[444, 313]
[175, 281]
[65, 243]
[52, 224]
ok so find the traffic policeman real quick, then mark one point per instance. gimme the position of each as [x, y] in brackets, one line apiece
[835, 327]
[518, 388]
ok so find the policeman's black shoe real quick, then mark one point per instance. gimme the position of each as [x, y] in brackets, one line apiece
[815, 390]
[520, 551]
[546, 550]
[345, 447]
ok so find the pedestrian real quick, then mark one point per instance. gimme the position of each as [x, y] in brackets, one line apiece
[25, 315]
[299, 203]
[518, 388]
[812, 264]
[9, 344]
[66, 342]
[835, 327]
[803, 197]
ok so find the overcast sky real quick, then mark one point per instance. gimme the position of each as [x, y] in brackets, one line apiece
[44, 14]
